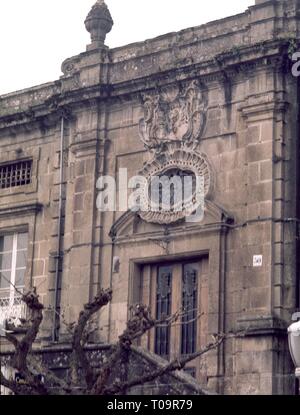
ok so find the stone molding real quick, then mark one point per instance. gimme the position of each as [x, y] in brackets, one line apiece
[263, 110]
[20, 210]
[262, 326]
[218, 221]
[22, 154]
[37, 107]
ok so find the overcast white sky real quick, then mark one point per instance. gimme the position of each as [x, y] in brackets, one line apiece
[36, 36]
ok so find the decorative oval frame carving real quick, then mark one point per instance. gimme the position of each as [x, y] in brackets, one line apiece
[181, 158]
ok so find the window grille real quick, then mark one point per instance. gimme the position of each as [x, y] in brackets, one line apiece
[189, 306]
[15, 174]
[163, 309]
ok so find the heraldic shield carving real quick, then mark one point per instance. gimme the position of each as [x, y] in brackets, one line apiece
[176, 114]
[171, 130]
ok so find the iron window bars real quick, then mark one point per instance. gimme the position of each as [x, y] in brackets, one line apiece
[15, 174]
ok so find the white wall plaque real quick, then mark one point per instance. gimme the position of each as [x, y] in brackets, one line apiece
[257, 261]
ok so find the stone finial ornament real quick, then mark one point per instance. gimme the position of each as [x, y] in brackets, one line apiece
[98, 23]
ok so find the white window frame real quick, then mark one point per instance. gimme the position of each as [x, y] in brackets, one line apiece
[13, 270]
[12, 310]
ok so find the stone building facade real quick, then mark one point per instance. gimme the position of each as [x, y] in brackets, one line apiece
[218, 100]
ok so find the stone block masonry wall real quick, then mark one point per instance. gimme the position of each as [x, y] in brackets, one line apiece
[34, 208]
[241, 68]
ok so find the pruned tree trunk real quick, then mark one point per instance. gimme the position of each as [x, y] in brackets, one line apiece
[85, 378]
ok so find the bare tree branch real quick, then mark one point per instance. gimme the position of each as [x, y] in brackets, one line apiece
[98, 381]
[106, 371]
[176, 364]
[59, 384]
[18, 388]
[139, 324]
[7, 383]
[79, 358]
[12, 339]
[180, 323]
[24, 346]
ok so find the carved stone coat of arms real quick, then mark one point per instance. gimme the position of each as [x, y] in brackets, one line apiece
[171, 130]
[176, 114]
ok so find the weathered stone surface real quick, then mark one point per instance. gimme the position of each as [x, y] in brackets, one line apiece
[245, 125]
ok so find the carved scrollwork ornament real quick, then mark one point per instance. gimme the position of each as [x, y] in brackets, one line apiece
[184, 160]
[175, 114]
[171, 130]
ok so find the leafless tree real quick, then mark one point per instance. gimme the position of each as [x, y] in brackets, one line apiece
[86, 379]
